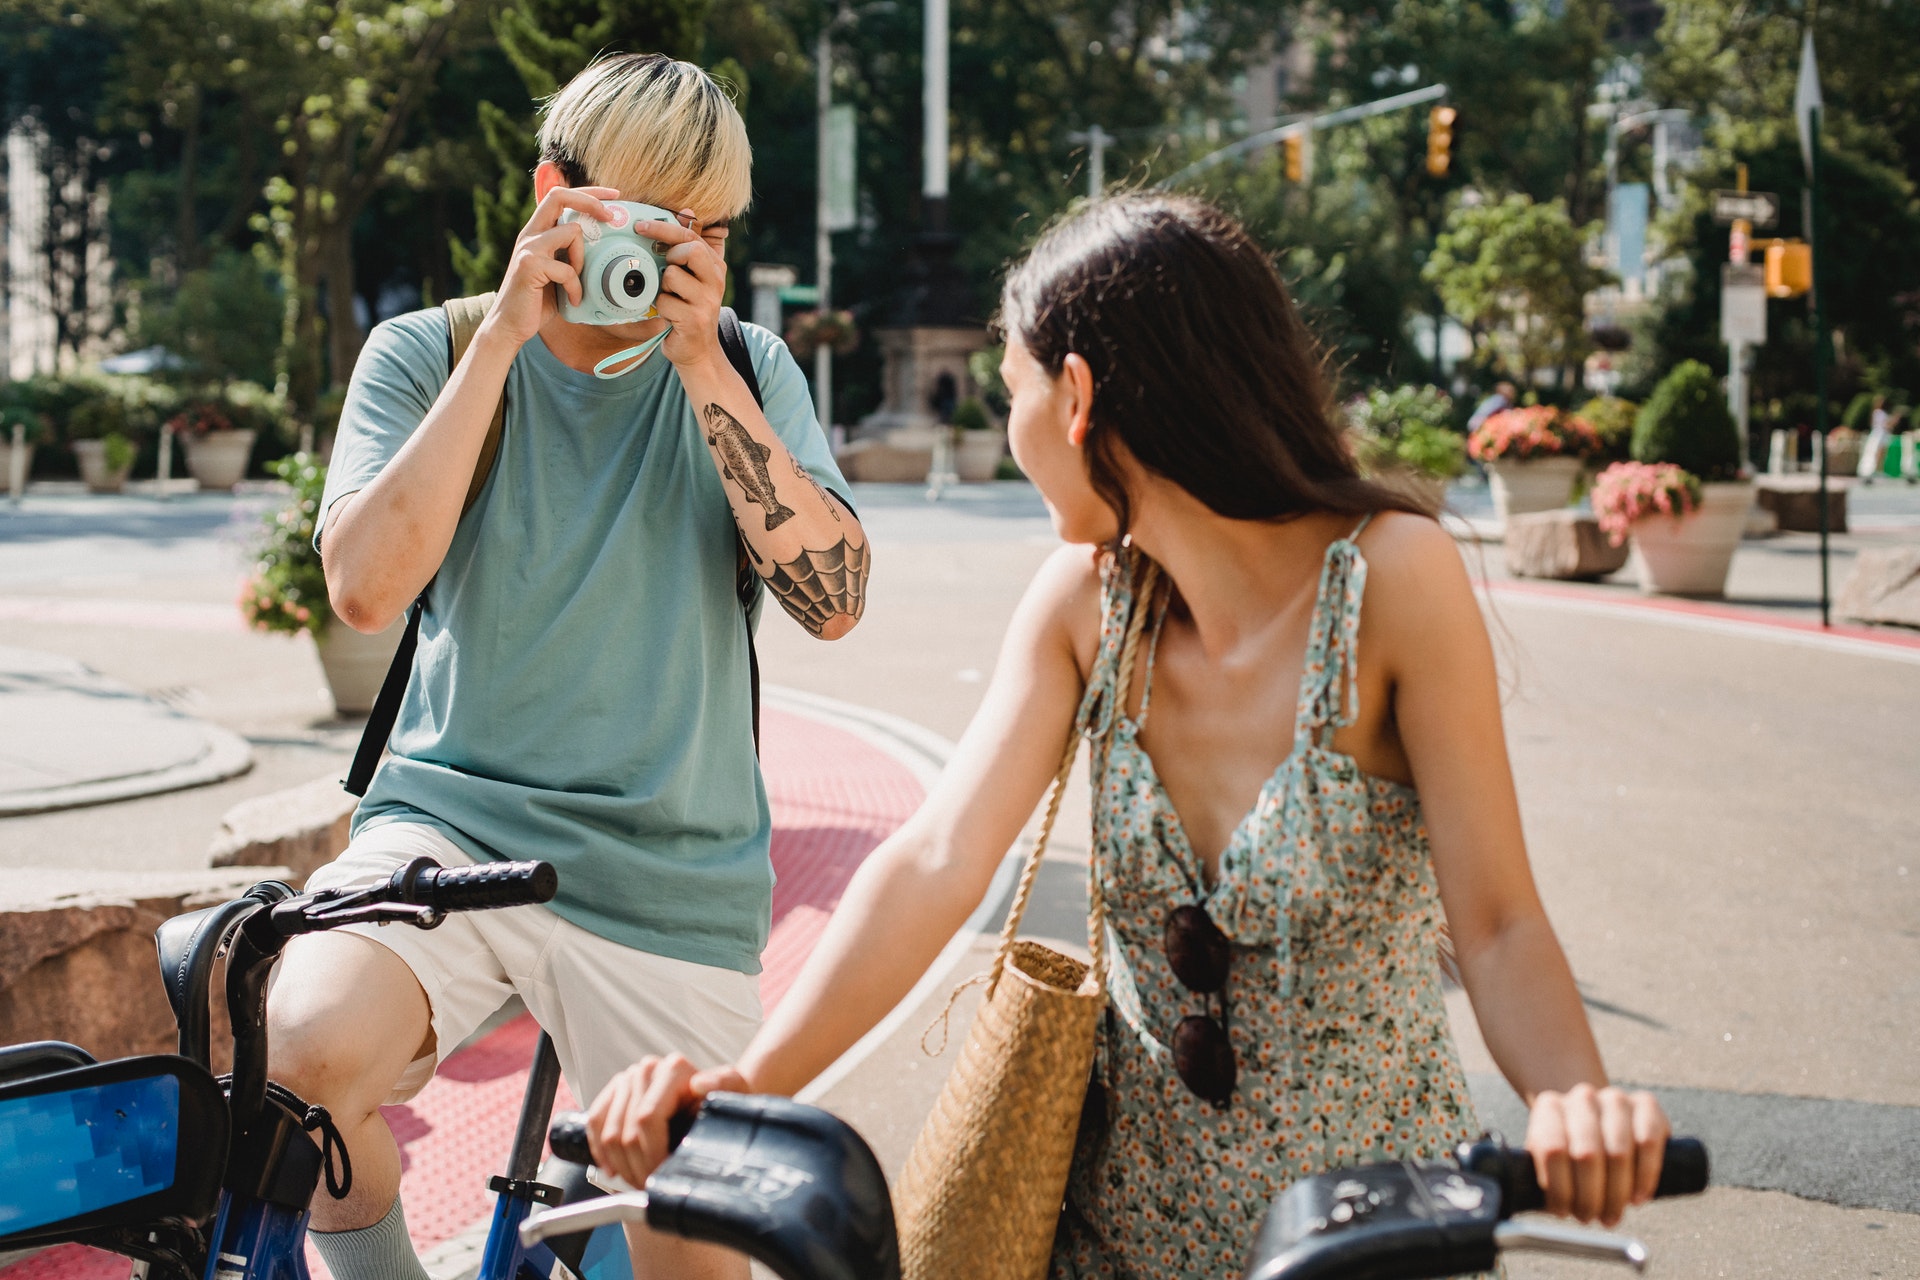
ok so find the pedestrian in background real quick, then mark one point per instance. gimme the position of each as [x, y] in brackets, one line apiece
[1502, 397]
[1879, 431]
[1281, 812]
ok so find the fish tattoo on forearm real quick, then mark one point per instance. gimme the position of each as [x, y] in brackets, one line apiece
[817, 586]
[743, 460]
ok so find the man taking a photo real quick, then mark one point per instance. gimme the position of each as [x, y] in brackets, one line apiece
[581, 691]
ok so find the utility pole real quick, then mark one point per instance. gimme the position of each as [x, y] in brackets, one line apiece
[1097, 140]
[822, 232]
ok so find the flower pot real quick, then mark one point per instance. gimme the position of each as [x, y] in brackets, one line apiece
[218, 459]
[94, 470]
[1690, 555]
[357, 663]
[977, 456]
[1538, 484]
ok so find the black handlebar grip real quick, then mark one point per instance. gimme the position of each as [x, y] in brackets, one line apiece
[568, 1134]
[476, 887]
[1683, 1172]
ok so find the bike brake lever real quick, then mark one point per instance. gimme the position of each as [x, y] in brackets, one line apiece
[377, 913]
[1535, 1236]
[601, 1211]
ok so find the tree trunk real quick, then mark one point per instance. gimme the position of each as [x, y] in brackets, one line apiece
[343, 330]
[187, 214]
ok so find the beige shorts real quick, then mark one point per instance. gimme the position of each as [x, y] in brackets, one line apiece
[606, 1006]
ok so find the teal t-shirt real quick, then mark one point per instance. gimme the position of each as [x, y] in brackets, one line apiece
[581, 690]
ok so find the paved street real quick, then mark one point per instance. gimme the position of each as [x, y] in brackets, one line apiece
[1719, 807]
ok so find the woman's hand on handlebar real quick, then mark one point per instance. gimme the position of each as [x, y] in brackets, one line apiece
[1596, 1151]
[627, 1124]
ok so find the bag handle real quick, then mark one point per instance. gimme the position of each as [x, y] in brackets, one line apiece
[1149, 581]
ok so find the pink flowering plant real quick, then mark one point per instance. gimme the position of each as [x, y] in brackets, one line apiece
[200, 420]
[1630, 491]
[287, 591]
[1534, 431]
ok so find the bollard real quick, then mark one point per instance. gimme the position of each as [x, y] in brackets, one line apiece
[1780, 459]
[17, 458]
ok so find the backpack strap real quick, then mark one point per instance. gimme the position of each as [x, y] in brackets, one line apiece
[463, 321]
[746, 583]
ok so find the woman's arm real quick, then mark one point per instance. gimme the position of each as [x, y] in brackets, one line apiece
[1597, 1148]
[909, 896]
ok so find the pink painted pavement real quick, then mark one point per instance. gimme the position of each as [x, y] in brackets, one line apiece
[834, 798]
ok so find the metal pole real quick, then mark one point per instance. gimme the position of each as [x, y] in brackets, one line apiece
[822, 237]
[934, 104]
[1819, 359]
[1098, 139]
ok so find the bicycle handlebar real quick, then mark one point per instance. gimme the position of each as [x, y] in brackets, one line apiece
[477, 887]
[567, 1135]
[1683, 1171]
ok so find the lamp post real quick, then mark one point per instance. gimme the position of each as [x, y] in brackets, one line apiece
[822, 232]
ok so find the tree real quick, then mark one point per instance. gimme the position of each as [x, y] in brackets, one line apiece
[1516, 271]
[356, 70]
[548, 43]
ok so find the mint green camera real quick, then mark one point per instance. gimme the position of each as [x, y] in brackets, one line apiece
[621, 277]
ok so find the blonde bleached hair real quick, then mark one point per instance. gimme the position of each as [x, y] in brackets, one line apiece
[662, 131]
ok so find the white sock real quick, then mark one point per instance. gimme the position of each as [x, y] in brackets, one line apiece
[379, 1252]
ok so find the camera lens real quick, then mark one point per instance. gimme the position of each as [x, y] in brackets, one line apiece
[634, 284]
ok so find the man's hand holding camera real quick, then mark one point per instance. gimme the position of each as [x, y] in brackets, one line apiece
[549, 254]
[691, 287]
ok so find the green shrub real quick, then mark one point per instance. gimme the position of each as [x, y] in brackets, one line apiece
[1409, 426]
[971, 415]
[287, 591]
[1685, 421]
[1612, 420]
[118, 451]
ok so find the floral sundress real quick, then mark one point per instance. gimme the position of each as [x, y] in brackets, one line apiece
[1326, 891]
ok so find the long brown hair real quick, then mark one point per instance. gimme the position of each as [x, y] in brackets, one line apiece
[1201, 366]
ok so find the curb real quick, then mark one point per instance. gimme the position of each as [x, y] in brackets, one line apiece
[227, 755]
[1722, 619]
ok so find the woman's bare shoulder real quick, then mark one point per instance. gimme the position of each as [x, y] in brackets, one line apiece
[1063, 600]
[1415, 572]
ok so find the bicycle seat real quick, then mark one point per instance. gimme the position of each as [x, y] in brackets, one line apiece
[783, 1182]
[114, 1144]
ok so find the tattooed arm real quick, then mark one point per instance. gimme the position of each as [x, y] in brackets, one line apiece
[809, 548]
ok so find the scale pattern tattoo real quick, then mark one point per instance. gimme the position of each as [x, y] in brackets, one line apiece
[817, 586]
[743, 460]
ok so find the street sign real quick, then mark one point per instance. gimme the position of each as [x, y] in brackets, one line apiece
[1743, 304]
[1761, 208]
[843, 211]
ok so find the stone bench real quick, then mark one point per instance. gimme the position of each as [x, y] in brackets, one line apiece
[1565, 544]
[1795, 501]
[1883, 587]
[77, 961]
[301, 828]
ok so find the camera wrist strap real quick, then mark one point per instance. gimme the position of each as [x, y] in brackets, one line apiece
[632, 357]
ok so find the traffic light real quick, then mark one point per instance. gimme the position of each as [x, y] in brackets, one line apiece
[1296, 150]
[1440, 140]
[1789, 271]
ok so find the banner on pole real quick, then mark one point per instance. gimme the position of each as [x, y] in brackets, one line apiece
[1806, 98]
[843, 211]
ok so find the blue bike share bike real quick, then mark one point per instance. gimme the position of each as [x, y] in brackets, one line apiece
[204, 1178]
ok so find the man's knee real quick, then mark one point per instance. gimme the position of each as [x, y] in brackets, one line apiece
[345, 1017]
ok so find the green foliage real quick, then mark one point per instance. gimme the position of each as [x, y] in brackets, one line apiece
[287, 591]
[984, 365]
[93, 407]
[1612, 420]
[971, 415]
[117, 451]
[1516, 271]
[223, 320]
[1409, 426]
[1685, 421]
[549, 42]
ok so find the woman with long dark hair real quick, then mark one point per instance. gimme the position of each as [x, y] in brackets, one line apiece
[1286, 803]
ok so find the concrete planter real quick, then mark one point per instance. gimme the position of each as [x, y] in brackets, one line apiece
[1690, 555]
[218, 460]
[1538, 484]
[357, 663]
[978, 453]
[100, 478]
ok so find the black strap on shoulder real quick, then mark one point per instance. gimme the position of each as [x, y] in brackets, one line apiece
[746, 583]
[386, 707]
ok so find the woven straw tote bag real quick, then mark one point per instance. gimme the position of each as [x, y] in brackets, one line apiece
[980, 1196]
